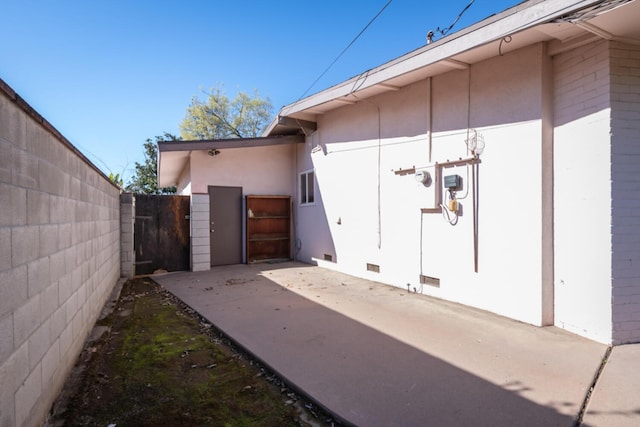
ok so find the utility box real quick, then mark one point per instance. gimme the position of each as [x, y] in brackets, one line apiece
[428, 180]
[452, 182]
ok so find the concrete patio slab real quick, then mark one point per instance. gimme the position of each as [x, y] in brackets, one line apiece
[376, 355]
[616, 398]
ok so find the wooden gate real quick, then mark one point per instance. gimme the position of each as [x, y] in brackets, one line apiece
[161, 233]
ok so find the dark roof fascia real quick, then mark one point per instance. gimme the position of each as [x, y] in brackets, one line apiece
[229, 143]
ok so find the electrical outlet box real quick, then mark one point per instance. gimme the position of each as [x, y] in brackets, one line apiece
[452, 181]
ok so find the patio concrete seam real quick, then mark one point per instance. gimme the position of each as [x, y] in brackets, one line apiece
[596, 378]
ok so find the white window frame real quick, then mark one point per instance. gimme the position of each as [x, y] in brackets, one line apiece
[303, 195]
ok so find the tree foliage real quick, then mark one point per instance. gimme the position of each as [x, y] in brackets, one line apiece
[218, 117]
[116, 179]
[145, 179]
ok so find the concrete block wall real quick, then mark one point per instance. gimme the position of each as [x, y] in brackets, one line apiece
[581, 82]
[582, 191]
[127, 220]
[625, 171]
[59, 258]
[200, 233]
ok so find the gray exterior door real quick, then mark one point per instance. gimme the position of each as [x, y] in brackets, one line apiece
[225, 210]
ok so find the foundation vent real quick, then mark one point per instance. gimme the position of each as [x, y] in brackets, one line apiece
[328, 257]
[431, 281]
[373, 267]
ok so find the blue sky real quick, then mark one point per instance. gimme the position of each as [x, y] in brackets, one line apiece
[110, 74]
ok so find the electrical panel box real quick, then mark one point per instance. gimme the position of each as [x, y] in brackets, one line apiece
[452, 182]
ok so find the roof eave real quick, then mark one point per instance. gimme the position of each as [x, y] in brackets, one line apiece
[178, 152]
[519, 18]
[208, 144]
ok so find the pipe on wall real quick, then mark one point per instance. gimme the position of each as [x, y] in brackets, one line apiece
[430, 117]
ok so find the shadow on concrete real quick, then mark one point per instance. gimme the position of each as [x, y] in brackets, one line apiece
[360, 375]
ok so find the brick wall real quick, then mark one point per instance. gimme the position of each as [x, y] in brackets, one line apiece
[625, 138]
[59, 258]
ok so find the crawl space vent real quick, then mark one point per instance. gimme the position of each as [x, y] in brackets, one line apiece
[373, 267]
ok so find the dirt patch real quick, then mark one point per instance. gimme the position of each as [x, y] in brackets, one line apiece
[158, 363]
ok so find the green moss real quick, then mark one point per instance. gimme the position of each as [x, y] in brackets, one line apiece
[158, 368]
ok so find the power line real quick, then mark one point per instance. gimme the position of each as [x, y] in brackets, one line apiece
[446, 30]
[344, 50]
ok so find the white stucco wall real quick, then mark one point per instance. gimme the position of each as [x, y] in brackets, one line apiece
[582, 192]
[313, 235]
[379, 211]
[184, 181]
[260, 170]
[265, 170]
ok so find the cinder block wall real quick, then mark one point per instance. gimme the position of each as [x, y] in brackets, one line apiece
[582, 191]
[625, 182]
[200, 233]
[59, 258]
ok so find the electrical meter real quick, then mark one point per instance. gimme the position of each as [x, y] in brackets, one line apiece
[423, 177]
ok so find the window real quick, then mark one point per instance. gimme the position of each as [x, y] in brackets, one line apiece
[306, 187]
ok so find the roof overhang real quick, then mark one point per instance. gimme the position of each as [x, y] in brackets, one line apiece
[565, 24]
[173, 156]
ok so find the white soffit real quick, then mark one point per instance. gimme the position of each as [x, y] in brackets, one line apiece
[622, 23]
[171, 164]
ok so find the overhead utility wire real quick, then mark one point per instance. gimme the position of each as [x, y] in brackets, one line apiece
[446, 30]
[344, 50]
